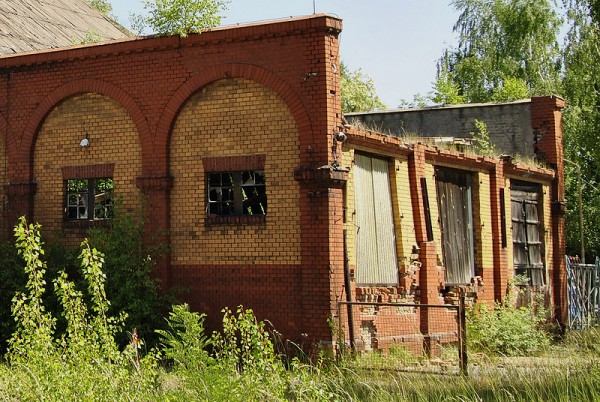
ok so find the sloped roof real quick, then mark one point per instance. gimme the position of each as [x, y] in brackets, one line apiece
[31, 25]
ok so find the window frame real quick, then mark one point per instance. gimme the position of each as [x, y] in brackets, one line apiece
[236, 202]
[88, 193]
[528, 196]
[236, 167]
[85, 172]
[457, 230]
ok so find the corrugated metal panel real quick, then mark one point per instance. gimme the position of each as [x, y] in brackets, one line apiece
[376, 261]
[456, 220]
[527, 243]
[384, 222]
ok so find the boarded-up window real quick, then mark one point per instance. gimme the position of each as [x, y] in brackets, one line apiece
[456, 220]
[376, 261]
[526, 229]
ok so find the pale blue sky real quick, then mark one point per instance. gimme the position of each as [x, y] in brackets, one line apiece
[396, 42]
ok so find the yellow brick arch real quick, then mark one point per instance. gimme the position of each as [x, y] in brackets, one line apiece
[231, 118]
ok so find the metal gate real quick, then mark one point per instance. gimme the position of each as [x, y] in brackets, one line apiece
[583, 293]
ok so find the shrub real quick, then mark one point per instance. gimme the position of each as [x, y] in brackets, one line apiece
[185, 343]
[128, 265]
[506, 330]
[12, 280]
[84, 362]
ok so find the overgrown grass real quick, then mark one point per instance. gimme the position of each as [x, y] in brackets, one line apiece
[84, 362]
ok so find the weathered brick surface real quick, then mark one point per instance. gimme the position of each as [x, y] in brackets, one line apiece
[161, 112]
[234, 117]
[411, 166]
[114, 145]
[155, 107]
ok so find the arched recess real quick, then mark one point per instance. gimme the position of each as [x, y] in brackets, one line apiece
[72, 88]
[235, 124]
[232, 70]
[113, 152]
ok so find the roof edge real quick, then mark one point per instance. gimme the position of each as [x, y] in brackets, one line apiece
[230, 33]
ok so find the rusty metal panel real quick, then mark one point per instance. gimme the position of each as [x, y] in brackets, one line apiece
[376, 261]
[527, 240]
[454, 192]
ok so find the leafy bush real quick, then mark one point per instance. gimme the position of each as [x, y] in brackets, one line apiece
[128, 265]
[12, 280]
[245, 343]
[82, 363]
[185, 343]
[506, 330]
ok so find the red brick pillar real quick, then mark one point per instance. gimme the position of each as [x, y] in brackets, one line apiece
[546, 121]
[157, 221]
[429, 275]
[19, 203]
[500, 276]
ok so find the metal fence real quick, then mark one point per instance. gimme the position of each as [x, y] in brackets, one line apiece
[404, 336]
[583, 293]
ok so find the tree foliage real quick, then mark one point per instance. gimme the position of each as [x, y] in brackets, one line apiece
[507, 49]
[581, 122]
[178, 17]
[101, 5]
[358, 91]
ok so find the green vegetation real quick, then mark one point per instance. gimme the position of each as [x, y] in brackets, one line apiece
[358, 91]
[83, 360]
[102, 6]
[178, 17]
[509, 50]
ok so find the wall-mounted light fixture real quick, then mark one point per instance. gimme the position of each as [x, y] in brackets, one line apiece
[340, 136]
[85, 142]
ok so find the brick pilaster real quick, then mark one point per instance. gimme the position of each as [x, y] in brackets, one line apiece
[499, 230]
[157, 220]
[19, 203]
[546, 121]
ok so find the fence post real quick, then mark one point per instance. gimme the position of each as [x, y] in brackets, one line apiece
[462, 334]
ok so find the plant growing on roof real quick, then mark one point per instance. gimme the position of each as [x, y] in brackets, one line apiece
[178, 17]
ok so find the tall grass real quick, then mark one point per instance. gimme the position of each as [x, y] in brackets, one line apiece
[241, 363]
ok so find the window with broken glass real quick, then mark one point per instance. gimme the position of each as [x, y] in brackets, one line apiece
[237, 193]
[89, 199]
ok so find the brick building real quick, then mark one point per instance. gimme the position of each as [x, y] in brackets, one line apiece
[228, 141]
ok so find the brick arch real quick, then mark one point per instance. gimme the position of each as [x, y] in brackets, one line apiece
[76, 87]
[225, 71]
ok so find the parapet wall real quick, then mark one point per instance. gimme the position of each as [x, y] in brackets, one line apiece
[509, 124]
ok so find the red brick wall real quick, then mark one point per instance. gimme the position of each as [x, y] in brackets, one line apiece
[151, 82]
[546, 121]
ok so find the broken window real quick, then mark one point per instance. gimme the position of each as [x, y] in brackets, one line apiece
[237, 193]
[454, 193]
[526, 230]
[89, 199]
[376, 261]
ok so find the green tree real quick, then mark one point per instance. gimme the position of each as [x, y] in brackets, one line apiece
[358, 91]
[581, 123]
[101, 5]
[178, 17]
[507, 49]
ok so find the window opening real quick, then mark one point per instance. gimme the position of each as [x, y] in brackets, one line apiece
[237, 193]
[454, 192]
[89, 199]
[526, 228]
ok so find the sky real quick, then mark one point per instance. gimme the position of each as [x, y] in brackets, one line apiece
[395, 42]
